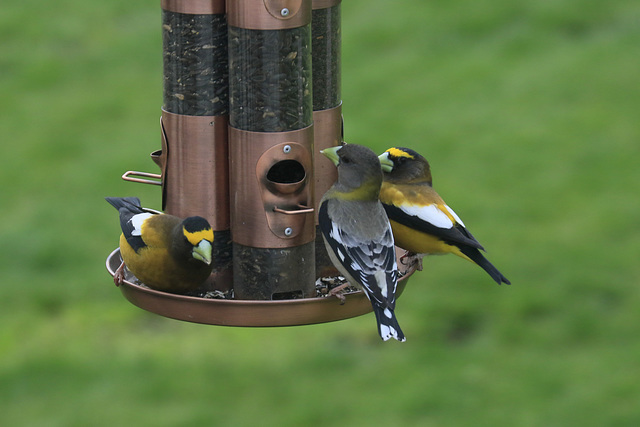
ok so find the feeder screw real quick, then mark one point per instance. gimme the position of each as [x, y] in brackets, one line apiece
[284, 12]
[286, 149]
[288, 231]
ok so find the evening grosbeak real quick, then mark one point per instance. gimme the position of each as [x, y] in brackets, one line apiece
[357, 233]
[422, 223]
[164, 252]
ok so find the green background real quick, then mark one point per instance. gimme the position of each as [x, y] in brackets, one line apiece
[528, 113]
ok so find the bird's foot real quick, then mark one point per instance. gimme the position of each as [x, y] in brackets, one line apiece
[118, 276]
[403, 258]
[411, 259]
[337, 292]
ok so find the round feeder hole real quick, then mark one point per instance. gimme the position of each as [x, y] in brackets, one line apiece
[286, 172]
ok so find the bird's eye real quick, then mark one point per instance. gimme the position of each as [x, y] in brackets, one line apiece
[345, 160]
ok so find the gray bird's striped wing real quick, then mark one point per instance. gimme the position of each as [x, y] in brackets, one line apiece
[371, 263]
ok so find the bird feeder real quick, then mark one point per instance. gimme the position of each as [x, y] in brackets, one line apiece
[242, 122]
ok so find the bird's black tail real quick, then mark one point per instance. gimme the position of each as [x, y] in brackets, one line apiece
[479, 259]
[132, 204]
[388, 326]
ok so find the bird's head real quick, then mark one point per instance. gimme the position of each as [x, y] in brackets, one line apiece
[359, 172]
[199, 236]
[404, 164]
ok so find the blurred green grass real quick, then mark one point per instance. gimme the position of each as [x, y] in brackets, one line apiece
[528, 114]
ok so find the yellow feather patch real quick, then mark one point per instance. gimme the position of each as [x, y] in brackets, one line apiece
[396, 152]
[422, 243]
[150, 232]
[198, 236]
[367, 191]
[445, 211]
[399, 195]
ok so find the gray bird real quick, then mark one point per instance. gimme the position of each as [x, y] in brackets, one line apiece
[357, 232]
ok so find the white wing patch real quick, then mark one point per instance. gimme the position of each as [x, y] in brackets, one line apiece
[430, 214]
[137, 220]
[335, 231]
[453, 214]
[381, 277]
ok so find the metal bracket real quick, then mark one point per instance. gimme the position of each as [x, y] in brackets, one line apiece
[157, 178]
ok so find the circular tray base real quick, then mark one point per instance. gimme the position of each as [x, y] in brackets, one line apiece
[230, 312]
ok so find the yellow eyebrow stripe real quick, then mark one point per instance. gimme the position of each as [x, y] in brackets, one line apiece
[395, 152]
[196, 237]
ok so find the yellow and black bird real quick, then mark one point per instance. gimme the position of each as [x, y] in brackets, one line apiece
[357, 233]
[422, 222]
[163, 251]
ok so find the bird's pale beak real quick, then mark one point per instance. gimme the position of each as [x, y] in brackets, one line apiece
[332, 154]
[202, 252]
[385, 162]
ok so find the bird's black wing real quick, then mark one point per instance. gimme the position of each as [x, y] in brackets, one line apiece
[371, 263]
[132, 215]
[456, 234]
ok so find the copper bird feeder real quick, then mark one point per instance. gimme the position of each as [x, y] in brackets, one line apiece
[243, 118]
